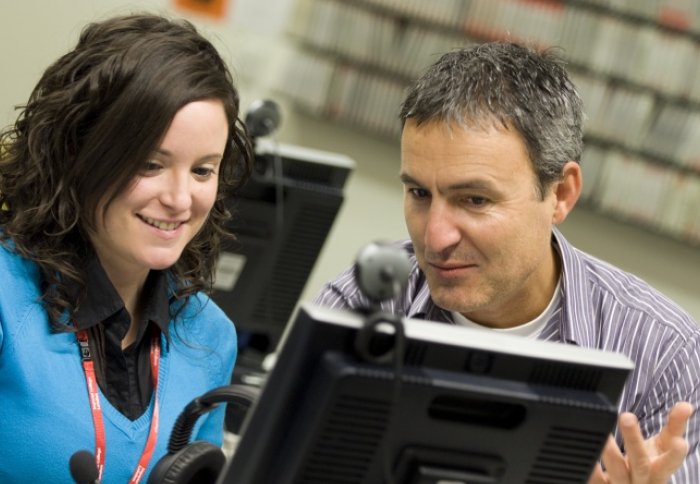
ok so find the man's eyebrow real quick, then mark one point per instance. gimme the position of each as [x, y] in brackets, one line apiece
[407, 179]
[462, 185]
[471, 185]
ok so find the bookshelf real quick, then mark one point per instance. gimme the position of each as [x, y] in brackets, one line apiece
[636, 64]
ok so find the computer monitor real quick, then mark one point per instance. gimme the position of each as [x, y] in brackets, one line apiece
[473, 407]
[281, 219]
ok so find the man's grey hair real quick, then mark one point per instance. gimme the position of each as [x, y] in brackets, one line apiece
[508, 84]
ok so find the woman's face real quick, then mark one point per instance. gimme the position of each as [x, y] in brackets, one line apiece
[149, 224]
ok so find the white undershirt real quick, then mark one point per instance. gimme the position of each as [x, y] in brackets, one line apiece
[531, 329]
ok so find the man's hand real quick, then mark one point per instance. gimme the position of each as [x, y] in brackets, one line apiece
[650, 461]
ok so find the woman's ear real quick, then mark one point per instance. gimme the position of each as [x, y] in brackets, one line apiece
[567, 190]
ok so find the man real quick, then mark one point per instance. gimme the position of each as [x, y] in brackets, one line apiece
[489, 162]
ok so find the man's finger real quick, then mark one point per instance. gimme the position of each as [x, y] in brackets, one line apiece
[638, 458]
[615, 463]
[675, 426]
[598, 475]
[667, 463]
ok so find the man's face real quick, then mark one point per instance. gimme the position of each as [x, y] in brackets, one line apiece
[482, 233]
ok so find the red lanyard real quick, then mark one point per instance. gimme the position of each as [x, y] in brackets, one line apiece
[93, 391]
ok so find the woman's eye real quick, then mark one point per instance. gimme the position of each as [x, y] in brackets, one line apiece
[203, 171]
[150, 166]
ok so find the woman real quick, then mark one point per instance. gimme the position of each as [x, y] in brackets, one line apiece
[112, 183]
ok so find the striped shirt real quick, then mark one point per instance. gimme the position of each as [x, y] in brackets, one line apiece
[600, 307]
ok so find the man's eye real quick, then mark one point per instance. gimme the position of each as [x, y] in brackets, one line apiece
[477, 201]
[418, 193]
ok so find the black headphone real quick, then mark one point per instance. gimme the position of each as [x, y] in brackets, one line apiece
[199, 461]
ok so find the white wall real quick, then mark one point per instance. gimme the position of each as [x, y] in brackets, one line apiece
[33, 33]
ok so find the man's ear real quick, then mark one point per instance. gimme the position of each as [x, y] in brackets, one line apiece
[567, 190]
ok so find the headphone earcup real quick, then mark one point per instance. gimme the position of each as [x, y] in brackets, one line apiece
[200, 461]
[197, 462]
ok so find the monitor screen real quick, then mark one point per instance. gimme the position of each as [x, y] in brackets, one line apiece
[281, 219]
[473, 407]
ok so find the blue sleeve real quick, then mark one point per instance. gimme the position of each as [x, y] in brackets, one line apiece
[212, 426]
[224, 341]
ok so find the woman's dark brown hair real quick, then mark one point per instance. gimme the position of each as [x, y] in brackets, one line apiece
[94, 117]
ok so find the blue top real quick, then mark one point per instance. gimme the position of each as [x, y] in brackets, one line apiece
[43, 394]
[601, 307]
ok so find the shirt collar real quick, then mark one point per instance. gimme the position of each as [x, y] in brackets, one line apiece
[102, 300]
[428, 310]
[577, 311]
